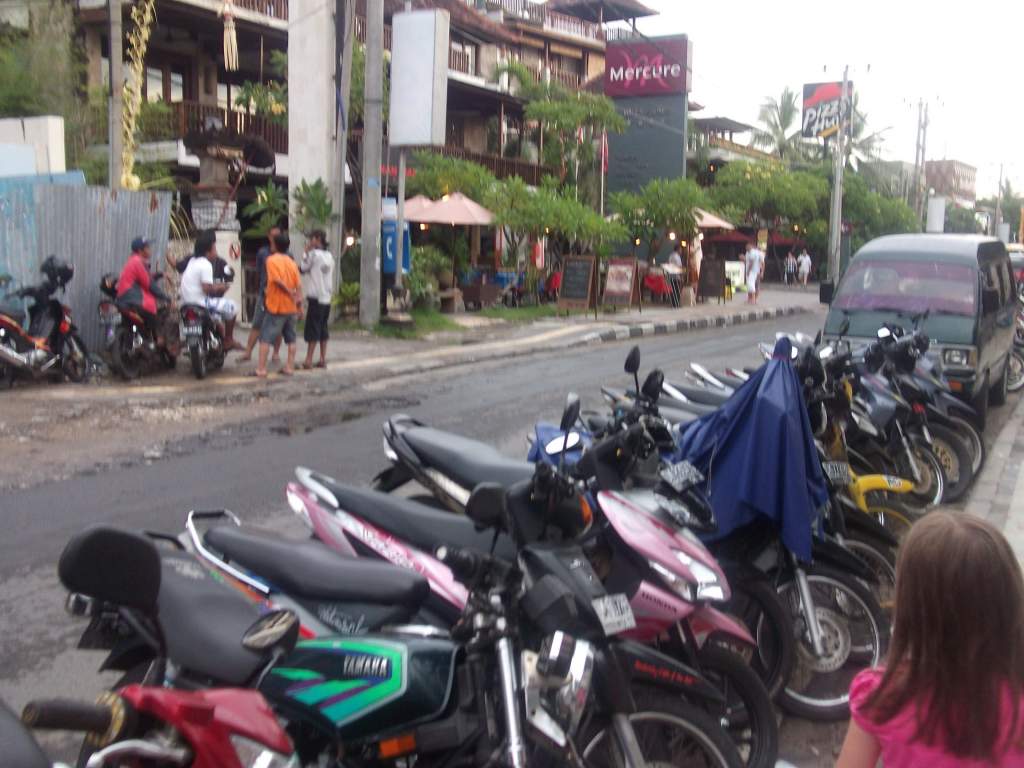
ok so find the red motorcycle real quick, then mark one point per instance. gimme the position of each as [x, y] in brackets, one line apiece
[131, 344]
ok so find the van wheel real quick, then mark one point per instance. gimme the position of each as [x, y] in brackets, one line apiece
[997, 394]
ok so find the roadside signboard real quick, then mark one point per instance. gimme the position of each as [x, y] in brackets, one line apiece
[579, 278]
[825, 109]
[622, 283]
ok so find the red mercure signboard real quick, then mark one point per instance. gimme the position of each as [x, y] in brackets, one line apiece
[654, 67]
[823, 108]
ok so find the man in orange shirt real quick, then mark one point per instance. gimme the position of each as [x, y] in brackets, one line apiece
[282, 302]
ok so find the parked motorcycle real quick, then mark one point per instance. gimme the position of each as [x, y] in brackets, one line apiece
[50, 346]
[130, 342]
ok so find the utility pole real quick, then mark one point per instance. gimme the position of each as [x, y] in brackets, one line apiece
[115, 116]
[836, 218]
[373, 129]
[923, 186]
[999, 202]
[916, 180]
[344, 17]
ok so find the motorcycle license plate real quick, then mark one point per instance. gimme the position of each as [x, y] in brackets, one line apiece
[191, 330]
[681, 476]
[615, 613]
[837, 471]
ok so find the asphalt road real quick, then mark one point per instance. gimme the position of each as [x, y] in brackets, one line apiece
[246, 467]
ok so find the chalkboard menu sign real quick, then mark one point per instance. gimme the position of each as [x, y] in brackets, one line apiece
[712, 279]
[577, 291]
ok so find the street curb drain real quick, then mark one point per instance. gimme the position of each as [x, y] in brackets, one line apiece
[689, 324]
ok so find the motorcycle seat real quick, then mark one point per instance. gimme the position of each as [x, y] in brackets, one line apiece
[204, 621]
[312, 570]
[417, 524]
[702, 395]
[20, 749]
[467, 462]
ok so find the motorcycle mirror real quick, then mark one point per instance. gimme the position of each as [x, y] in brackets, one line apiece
[633, 360]
[571, 413]
[112, 565]
[652, 385]
[277, 629]
[486, 506]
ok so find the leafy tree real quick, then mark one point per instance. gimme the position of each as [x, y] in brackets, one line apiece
[313, 206]
[781, 120]
[661, 207]
[762, 194]
[437, 175]
[960, 219]
[1011, 205]
[269, 208]
[357, 89]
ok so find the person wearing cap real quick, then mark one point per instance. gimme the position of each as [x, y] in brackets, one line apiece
[135, 288]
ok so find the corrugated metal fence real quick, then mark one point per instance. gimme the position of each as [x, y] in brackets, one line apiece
[88, 226]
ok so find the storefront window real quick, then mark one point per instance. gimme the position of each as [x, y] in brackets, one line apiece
[154, 84]
[177, 87]
[222, 95]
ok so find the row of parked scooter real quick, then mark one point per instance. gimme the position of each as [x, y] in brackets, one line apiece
[643, 589]
[44, 342]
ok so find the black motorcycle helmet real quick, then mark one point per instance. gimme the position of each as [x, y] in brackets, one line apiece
[57, 271]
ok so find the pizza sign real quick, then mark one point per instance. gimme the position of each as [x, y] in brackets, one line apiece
[825, 109]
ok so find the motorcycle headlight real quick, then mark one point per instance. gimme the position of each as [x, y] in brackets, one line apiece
[677, 584]
[252, 754]
[708, 585]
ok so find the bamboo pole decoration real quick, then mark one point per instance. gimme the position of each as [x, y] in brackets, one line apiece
[143, 17]
[231, 37]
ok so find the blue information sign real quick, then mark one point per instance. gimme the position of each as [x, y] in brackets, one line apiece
[388, 230]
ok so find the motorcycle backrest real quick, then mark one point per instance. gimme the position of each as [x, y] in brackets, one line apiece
[652, 385]
[633, 360]
[112, 565]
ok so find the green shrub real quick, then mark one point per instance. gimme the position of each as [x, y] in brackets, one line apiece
[428, 263]
[156, 122]
[348, 294]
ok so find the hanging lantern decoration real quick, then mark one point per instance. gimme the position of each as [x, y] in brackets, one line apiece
[230, 37]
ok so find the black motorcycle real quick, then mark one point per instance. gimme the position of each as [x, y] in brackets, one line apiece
[50, 346]
[202, 333]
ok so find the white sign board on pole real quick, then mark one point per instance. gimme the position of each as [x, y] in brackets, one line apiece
[936, 214]
[419, 79]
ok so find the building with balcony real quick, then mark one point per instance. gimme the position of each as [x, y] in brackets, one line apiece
[952, 179]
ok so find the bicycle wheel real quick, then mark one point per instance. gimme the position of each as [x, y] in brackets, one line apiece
[855, 636]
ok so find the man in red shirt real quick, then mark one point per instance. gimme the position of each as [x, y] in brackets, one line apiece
[135, 285]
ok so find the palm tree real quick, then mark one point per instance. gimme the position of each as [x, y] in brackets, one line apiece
[781, 132]
[862, 145]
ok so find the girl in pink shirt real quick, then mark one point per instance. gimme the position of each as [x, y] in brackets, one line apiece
[952, 693]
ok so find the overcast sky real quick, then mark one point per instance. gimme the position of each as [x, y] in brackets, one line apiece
[966, 59]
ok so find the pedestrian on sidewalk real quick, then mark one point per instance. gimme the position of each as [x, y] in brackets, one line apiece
[283, 302]
[755, 271]
[952, 692]
[317, 267]
[257, 316]
[804, 267]
[791, 267]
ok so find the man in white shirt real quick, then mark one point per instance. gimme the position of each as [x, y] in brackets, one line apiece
[803, 265]
[317, 268]
[198, 287]
[755, 270]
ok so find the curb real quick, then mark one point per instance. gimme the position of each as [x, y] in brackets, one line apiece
[691, 324]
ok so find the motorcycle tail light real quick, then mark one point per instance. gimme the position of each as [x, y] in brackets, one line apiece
[64, 326]
[919, 409]
[190, 316]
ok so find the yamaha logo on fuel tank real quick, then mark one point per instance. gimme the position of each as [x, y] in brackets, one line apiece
[364, 666]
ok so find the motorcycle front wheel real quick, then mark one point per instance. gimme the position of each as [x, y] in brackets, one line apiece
[1015, 379]
[974, 441]
[954, 456]
[74, 359]
[855, 636]
[932, 489]
[755, 602]
[669, 732]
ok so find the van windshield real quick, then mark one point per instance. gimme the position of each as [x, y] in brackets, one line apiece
[909, 286]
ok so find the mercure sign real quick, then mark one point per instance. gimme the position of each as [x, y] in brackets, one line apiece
[654, 67]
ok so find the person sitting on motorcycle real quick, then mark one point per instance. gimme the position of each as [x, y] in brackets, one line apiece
[198, 286]
[136, 288]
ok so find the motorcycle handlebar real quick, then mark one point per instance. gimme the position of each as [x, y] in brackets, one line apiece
[464, 564]
[68, 715]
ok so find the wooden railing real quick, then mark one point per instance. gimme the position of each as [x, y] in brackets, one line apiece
[192, 116]
[502, 167]
[536, 13]
[568, 79]
[461, 61]
[276, 9]
[360, 31]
